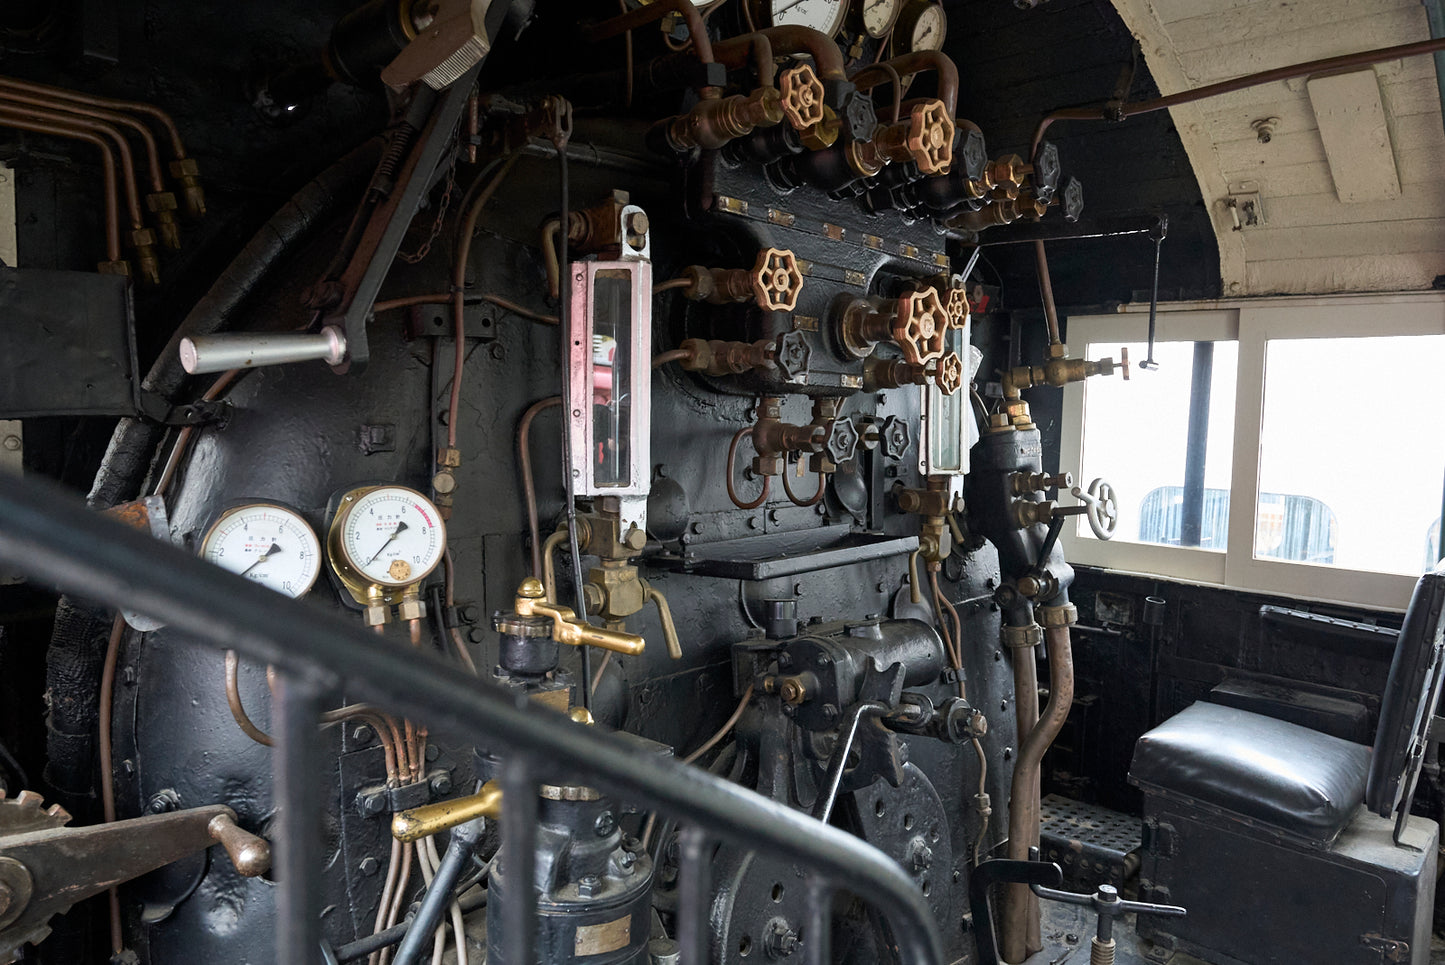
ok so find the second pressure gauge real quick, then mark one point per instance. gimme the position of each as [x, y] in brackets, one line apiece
[267, 543]
[387, 537]
[877, 16]
[922, 25]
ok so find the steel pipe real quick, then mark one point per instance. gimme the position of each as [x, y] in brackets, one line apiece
[221, 353]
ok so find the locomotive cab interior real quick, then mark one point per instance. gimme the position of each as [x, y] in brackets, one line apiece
[719, 482]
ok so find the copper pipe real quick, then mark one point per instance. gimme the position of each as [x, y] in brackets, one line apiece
[529, 490]
[456, 635]
[1021, 917]
[107, 167]
[827, 58]
[722, 731]
[696, 29]
[915, 63]
[73, 122]
[788, 488]
[1046, 286]
[111, 103]
[675, 355]
[153, 155]
[732, 493]
[735, 51]
[459, 284]
[406, 301]
[107, 763]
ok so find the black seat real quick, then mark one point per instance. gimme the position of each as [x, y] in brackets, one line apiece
[1220, 782]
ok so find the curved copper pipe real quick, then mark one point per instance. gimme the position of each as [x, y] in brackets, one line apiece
[790, 39]
[672, 355]
[107, 168]
[648, 13]
[732, 493]
[529, 490]
[914, 63]
[111, 103]
[153, 154]
[792, 497]
[735, 51]
[74, 122]
[1020, 919]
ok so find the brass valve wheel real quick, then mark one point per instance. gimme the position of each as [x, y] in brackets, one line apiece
[948, 373]
[920, 326]
[777, 282]
[930, 137]
[955, 304]
[802, 96]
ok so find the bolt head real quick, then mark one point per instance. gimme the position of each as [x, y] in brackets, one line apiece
[589, 886]
[12, 443]
[605, 824]
[441, 783]
[368, 866]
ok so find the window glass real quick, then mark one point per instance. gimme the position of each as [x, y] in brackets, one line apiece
[1350, 469]
[1137, 436]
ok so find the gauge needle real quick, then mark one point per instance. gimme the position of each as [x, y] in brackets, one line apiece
[394, 534]
[275, 548]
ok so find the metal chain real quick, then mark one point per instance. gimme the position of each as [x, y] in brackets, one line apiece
[436, 227]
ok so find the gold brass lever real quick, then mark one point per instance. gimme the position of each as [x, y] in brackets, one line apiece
[416, 823]
[567, 628]
[251, 855]
[664, 616]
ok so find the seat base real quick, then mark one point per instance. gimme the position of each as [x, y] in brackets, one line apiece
[1255, 898]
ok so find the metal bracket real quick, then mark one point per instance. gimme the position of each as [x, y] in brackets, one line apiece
[1390, 949]
[156, 408]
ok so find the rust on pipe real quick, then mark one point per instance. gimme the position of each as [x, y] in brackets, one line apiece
[110, 103]
[696, 29]
[107, 167]
[734, 52]
[914, 63]
[1021, 936]
[153, 156]
[74, 122]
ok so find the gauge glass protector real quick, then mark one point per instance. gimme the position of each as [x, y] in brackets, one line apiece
[269, 544]
[393, 536]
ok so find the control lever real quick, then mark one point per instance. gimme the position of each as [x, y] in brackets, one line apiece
[1107, 905]
[45, 872]
[567, 627]
[1157, 233]
[221, 353]
[998, 871]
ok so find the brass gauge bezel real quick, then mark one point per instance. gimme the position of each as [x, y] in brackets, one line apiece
[909, 14]
[364, 589]
[232, 509]
[859, 17]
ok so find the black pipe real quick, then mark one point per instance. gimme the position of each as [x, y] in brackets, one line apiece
[1191, 515]
[363, 947]
[53, 539]
[439, 893]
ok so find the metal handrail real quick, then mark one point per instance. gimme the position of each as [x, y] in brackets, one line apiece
[50, 536]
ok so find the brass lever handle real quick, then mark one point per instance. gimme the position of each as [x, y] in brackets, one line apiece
[664, 616]
[416, 823]
[251, 855]
[567, 628]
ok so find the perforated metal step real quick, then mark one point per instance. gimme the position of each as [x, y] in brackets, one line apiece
[1092, 844]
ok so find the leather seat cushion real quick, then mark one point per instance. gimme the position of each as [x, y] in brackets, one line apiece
[1287, 776]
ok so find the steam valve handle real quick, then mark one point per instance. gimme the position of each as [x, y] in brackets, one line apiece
[1101, 505]
[567, 628]
[1107, 905]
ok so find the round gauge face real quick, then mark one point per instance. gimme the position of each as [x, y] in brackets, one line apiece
[929, 29]
[269, 544]
[879, 16]
[823, 15]
[391, 536]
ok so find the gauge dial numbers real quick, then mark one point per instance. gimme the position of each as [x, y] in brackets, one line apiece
[922, 25]
[877, 17]
[825, 16]
[266, 543]
[388, 537]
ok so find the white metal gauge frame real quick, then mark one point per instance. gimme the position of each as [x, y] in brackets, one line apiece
[238, 507]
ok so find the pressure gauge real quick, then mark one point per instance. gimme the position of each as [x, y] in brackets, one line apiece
[877, 17]
[825, 16]
[922, 25]
[384, 538]
[267, 543]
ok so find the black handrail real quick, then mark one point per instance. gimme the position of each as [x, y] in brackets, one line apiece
[52, 537]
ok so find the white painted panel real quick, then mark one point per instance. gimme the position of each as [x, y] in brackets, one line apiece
[1345, 240]
[1271, 25]
[1420, 166]
[1324, 38]
[1412, 271]
[1356, 138]
[1294, 211]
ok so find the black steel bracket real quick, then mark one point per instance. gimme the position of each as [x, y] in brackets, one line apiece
[156, 408]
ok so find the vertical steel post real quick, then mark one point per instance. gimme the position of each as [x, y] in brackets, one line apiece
[519, 849]
[297, 768]
[694, 885]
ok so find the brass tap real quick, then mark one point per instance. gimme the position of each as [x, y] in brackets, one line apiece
[925, 137]
[414, 824]
[713, 123]
[773, 283]
[802, 96]
[945, 372]
[567, 627]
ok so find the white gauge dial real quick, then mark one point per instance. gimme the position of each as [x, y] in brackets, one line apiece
[825, 16]
[928, 30]
[269, 544]
[390, 536]
[878, 16]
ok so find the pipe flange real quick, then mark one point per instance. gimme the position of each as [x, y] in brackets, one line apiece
[777, 280]
[920, 326]
[802, 94]
[930, 137]
[1054, 617]
[1022, 638]
[516, 625]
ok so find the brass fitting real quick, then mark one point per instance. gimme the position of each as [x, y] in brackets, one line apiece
[118, 267]
[185, 171]
[718, 358]
[793, 690]
[1027, 512]
[1007, 174]
[773, 283]
[1022, 638]
[414, 824]
[148, 263]
[1025, 483]
[925, 137]
[567, 627]
[375, 613]
[881, 373]
[824, 133]
[620, 593]
[802, 97]
[713, 123]
[991, 215]
[162, 204]
[411, 608]
[1059, 371]
[916, 322]
[1065, 615]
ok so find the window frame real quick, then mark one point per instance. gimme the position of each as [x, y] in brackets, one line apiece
[1252, 323]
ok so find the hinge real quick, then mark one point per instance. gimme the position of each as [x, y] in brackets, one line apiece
[1389, 949]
